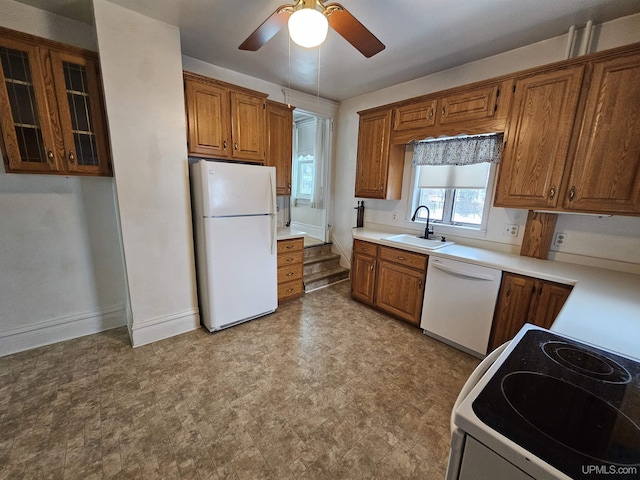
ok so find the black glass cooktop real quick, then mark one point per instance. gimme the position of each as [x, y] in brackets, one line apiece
[574, 406]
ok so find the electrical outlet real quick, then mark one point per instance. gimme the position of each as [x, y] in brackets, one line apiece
[560, 239]
[510, 230]
[394, 216]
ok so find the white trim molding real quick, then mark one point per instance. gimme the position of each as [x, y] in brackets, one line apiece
[59, 329]
[160, 328]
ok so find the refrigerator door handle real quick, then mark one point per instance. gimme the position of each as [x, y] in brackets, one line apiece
[272, 228]
[274, 210]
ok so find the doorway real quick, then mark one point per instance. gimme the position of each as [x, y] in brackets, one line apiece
[310, 176]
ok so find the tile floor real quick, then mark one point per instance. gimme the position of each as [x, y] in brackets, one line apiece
[326, 388]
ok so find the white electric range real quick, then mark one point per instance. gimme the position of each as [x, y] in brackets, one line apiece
[550, 407]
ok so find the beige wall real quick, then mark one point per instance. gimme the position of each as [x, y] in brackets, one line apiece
[61, 268]
[141, 67]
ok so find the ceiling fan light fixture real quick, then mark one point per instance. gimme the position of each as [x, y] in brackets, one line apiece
[308, 27]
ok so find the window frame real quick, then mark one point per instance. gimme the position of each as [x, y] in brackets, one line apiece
[447, 225]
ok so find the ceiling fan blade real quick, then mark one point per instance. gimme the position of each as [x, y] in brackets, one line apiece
[352, 30]
[268, 28]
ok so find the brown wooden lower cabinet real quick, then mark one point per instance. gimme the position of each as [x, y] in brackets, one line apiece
[363, 271]
[390, 279]
[525, 299]
[290, 269]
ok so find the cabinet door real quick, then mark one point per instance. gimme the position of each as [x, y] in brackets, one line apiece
[363, 277]
[373, 154]
[399, 291]
[81, 115]
[30, 124]
[280, 128]
[476, 104]
[551, 298]
[208, 119]
[248, 127]
[415, 115]
[537, 139]
[605, 176]
[512, 310]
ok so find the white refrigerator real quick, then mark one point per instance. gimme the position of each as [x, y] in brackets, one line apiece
[234, 209]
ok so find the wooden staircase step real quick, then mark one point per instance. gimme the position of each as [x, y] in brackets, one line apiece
[324, 278]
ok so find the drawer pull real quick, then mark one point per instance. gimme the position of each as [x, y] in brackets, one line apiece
[291, 259]
[402, 259]
[289, 247]
[572, 193]
[290, 274]
[552, 193]
[290, 290]
[371, 267]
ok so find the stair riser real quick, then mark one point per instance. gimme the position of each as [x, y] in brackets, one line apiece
[325, 281]
[321, 266]
[314, 251]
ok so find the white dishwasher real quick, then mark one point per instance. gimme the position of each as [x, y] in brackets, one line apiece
[459, 301]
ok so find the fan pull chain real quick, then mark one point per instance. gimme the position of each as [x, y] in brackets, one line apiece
[318, 94]
[289, 74]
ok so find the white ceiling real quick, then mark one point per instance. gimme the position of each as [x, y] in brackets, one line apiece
[421, 36]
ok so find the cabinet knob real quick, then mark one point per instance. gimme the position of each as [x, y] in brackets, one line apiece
[420, 284]
[235, 145]
[371, 267]
[224, 144]
[552, 192]
[572, 193]
[50, 155]
[431, 113]
[443, 111]
[72, 157]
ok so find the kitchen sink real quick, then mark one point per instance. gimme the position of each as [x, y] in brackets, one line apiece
[406, 239]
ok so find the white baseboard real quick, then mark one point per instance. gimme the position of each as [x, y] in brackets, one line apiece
[53, 331]
[163, 327]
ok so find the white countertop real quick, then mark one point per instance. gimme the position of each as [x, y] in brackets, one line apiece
[603, 308]
[289, 233]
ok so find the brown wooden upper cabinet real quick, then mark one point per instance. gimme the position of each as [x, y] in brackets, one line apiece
[543, 112]
[572, 139]
[225, 121]
[379, 164]
[51, 108]
[475, 109]
[280, 138]
[605, 175]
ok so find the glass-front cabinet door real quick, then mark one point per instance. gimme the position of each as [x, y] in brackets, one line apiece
[26, 118]
[79, 105]
[51, 108]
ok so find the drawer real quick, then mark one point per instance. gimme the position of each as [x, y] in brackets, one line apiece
[289, 258]
[366, 248]
[293, 245]
[290, 289]
[289, 273]
[402, 257]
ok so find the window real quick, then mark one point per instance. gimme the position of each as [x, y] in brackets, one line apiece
[304, 176]
[455, 195]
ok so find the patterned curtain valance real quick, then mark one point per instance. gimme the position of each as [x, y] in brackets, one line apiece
[467, 150]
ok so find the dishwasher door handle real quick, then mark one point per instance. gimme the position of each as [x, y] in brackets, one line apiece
[463, 273]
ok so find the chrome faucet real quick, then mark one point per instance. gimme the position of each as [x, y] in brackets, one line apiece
[427, 232]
